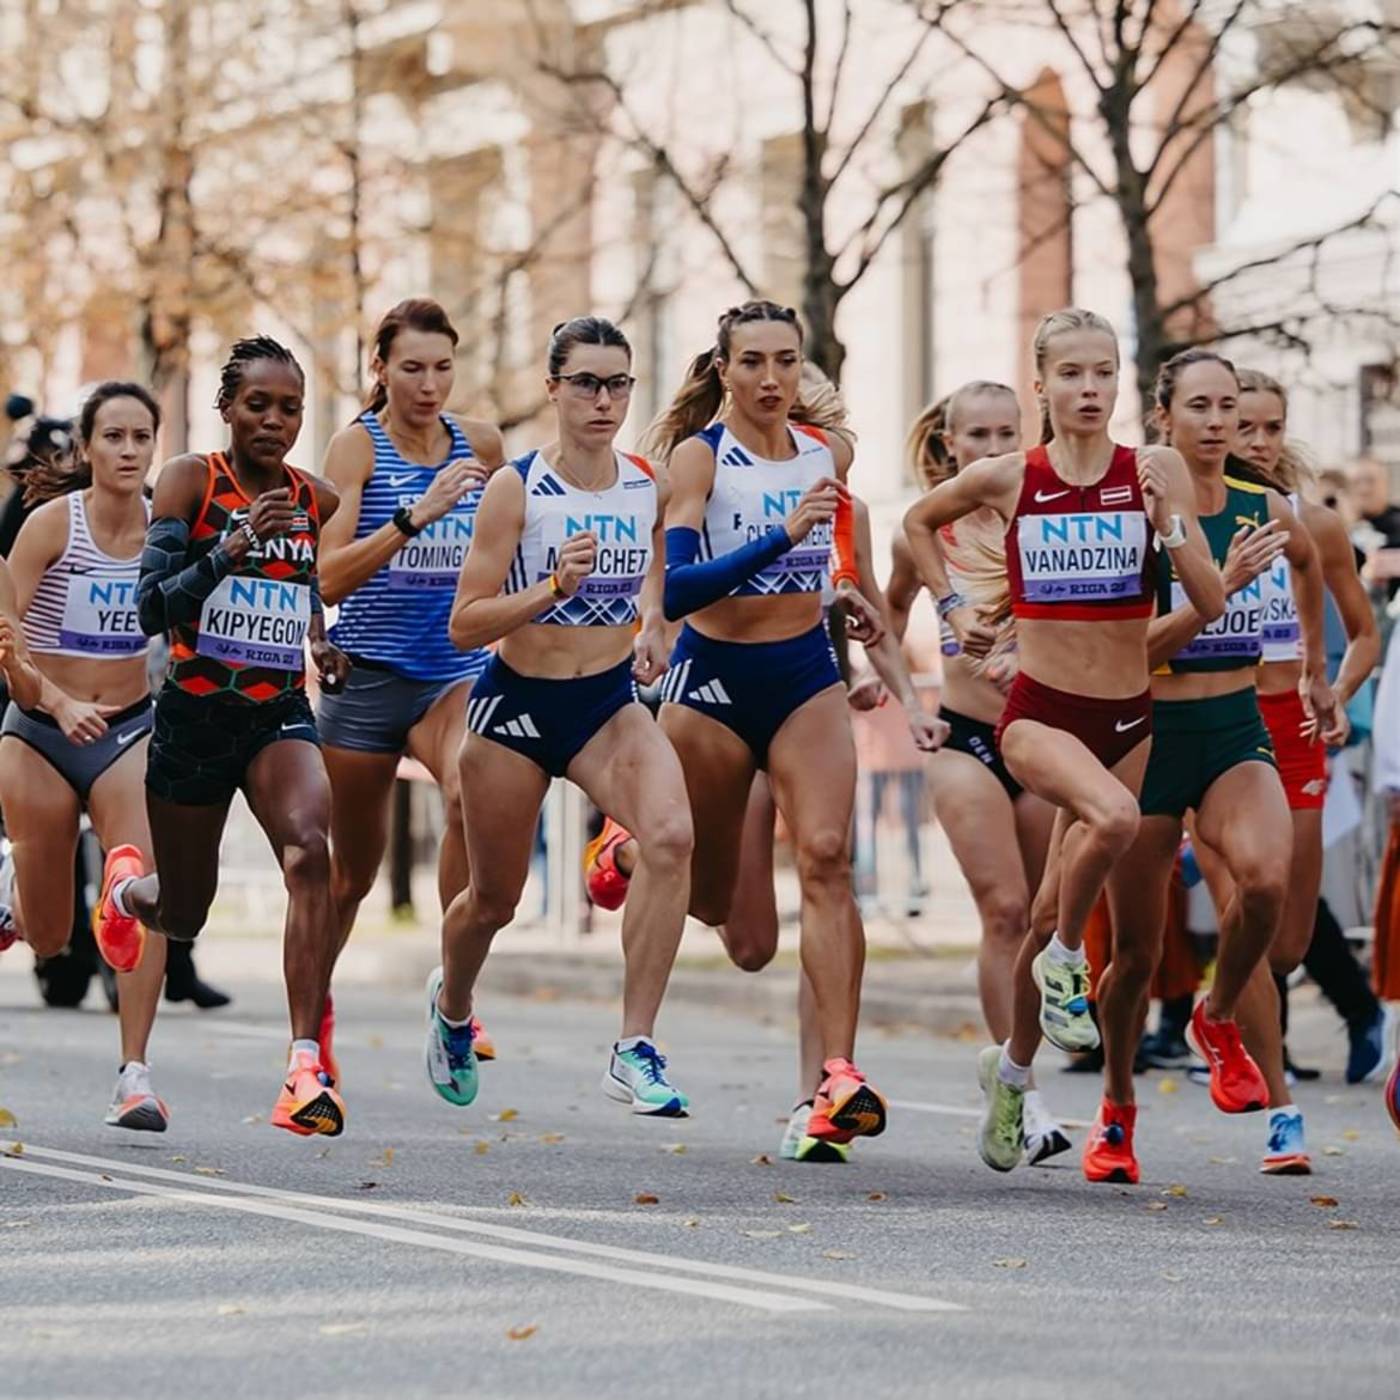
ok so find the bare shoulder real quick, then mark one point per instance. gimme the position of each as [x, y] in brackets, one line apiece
[487, 443]
[349, 459]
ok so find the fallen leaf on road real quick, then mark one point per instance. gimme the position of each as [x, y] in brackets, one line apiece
[763, 1234]
[254, 1118]
[1343, 1224]
[341, 1329]
[837, 1254]
[1171, 1277]
[1176, 1189]
[691, 1224]
[676, 1149]
[1010, 1263]
[1156, 1205]
[368, 1185]
[210, 1171]
[506, 1115]
[801, 1229]
[324, 1153]
[1332, 1150]
[181, 1160]
[1351, 1135]
[762, 1160]
[376, 1042]
[551, 1138]
[1222, 1161]
[17, 1224]
[1213, 1220]
[386, 1158]
[1169, 1086]
[783, 1199]
[231, 1309]
[481, 1148]
[522, 1334]
[15, 1149]
[516, 1199]
[1326, 1202]
[645, 1198]
[8, 1119]
[876, 1196]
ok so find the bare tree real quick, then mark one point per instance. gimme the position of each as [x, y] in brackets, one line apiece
[1161, 95]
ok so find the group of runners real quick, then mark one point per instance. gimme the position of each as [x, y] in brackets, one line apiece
[1132, 641]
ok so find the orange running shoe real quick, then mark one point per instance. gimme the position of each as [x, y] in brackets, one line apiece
[483, 1047]
[325, 1038]
[845, 1106]
[120, 938]
[308, 1104]
[1236, 1085]
[1108, 1152]
[606, 884]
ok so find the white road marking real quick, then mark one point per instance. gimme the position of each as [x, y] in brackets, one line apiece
[958, 1111]
[767, 1302]
[849, 1292]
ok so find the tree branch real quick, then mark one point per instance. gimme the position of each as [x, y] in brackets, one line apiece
[762, 35]
[839, 68]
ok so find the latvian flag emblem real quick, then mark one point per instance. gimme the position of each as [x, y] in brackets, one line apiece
[1116, 495]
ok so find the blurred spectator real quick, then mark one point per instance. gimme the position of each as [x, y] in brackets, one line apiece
[1377, 532]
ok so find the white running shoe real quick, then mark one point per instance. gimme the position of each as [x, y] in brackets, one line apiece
[135, 1105]
[9, 929]
[1045, 1138]
[799, 1145]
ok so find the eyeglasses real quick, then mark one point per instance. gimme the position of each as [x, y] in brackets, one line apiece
[586, 386]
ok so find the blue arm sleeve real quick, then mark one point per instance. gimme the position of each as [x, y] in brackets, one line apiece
[691, 586]
[166, 592]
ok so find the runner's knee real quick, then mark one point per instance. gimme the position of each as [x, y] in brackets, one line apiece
[306, 862]
[668, 841]
[1005, 916]
[824, 858]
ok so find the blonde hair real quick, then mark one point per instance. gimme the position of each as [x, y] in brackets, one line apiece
[1295, 469]
[1068, 318]
[925, 445]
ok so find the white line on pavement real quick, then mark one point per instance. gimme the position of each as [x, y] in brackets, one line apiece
[767, 1302]
[821, 1287]
[957, 1111]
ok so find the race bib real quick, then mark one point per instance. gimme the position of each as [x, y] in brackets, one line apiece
[1280, 610]
[1082, 557]
[1234, 636]
[433, 559]
[256, 622]
[623, 557]
[99, 618]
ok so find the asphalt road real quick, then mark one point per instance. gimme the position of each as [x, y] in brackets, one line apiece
[547, 1243]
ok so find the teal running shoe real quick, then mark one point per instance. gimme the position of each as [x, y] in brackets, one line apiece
[1001, 1138]
[1064, 1004]
[799, 1145]
[637, 1076]
[450, 1057]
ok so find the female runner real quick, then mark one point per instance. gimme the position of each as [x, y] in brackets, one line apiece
[83, 746]
[565, 560]
[755, 510]
[1081, 516]
[1212, 756]
[229, 572]
[984, 811]
[390, 559]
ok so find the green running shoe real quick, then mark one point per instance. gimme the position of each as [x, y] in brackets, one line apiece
[637, 1076]
[450, 1058]
[1064, 1004]
[1000, 1140]
[800, 1146]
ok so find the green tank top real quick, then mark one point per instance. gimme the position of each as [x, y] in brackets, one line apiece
[1234, 641]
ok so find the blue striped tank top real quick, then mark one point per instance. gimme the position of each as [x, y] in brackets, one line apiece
[398, 618]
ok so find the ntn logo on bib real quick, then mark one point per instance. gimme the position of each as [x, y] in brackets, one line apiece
[1082, 555]
[256, 622]
[99, 617]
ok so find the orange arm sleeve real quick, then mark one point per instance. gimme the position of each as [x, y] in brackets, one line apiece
[844, 544]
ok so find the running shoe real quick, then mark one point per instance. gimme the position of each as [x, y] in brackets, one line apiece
[451, 1058]
[9, 929]
[482, 1043]
[637, 1076]
[120, 938]
[308, 1103]
[606, 884]
[1366, 1056]
[1108, 1152]
[1296, 1073]
[1392, 1095]
[845, 1106]
[1001, 1139]
[1064, 1003]
[800, 1146]
[1165, 1048]
[1044, 1138]
[135, 1104]
[1236, 1085]
[325, 1038]
[1285, 1154]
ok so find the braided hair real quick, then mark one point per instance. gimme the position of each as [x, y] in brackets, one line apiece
[246, 352]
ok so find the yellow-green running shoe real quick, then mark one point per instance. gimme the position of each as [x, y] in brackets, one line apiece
[799, 1145]
[1000, 1140]
[1064, 1004]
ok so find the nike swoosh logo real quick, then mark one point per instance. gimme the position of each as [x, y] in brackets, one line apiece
[1121, 728]
[1041, 497]
[290, 728]
[124, 739]
[397, 480]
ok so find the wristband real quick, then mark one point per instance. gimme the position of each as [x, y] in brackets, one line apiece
[1176, 536]
[403, 523]
[950, 602]
[249, 534]
[556, 589]
[845, 576]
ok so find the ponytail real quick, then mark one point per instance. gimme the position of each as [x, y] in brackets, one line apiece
[696, 405]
